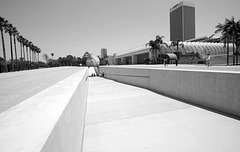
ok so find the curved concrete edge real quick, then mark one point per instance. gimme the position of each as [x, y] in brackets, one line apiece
[52, 120]
[211, 89]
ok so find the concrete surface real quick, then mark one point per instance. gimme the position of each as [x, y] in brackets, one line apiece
[49, 121]
[124, 118]
[214, 87]
[186, 67]
[18, 86]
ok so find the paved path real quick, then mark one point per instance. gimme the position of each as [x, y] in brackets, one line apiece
[17, 86]
[194, 67]
[124, 118]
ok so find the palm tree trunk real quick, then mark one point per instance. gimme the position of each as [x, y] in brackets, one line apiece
[233, 51]
[24, 59]
[227, 51]
[237, 55]
[23, 53]
[30, 55]
[35, 56]
[4, 51]
[20, 49]
[27, 52]
[12, 63]
[14, 38]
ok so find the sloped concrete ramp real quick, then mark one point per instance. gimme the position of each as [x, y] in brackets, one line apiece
[124, 118]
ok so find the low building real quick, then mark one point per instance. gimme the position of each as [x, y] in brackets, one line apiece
[140, 54]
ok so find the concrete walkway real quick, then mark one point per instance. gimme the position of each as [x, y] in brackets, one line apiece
[186, 67]
[124, 118]
[18, 86]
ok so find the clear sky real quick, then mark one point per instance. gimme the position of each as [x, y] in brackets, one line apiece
[75, 26]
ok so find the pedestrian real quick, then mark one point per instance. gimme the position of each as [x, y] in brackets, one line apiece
[165, 62]
[208, 60]
[176, 62]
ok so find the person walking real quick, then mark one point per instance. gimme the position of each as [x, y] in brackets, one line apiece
[165, 62]
[208, 60]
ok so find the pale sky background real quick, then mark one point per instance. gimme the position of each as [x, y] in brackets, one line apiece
[75, 26]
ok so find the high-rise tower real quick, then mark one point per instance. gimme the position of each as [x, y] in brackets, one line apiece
[103, 53]
[182, 21]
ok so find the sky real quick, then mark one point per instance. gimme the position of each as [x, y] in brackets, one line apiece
[72, 27]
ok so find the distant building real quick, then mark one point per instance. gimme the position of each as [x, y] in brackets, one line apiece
[103, 53]
[138, 56]
[182, 21]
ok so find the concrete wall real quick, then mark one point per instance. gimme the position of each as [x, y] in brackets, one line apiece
[50, 121]
[216, 90]
[137, 77]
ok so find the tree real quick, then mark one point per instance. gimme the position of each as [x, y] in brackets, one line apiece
[62, 61]
[20, 39]
[235, 33]
[30, 44]
[3, 23]
[237, 39]
[9, 30]
[177, 43]
[156, 46]
[52, 54]
[232, 33]
[70, 60]
[38, 50]
[227, 31]
[79, 60]
[24, 43]
[32, 48]
[15, 33]
[45, 57]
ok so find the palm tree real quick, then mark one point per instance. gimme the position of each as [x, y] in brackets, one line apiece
[24, 43]
[20, 40]
[232, 34]
[27, 45]
[156, 47]
[31, 47]
[229, 31]
[30, 44]
[34, 50]
[177, 43]
[45, 57]
[237, 42]
[235, 33]
[15, 33]
[52, 54]
[9, 30]
[223, 28]
[38, 51]
[3, 23]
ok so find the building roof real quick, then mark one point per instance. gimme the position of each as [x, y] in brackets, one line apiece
[183, 3]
